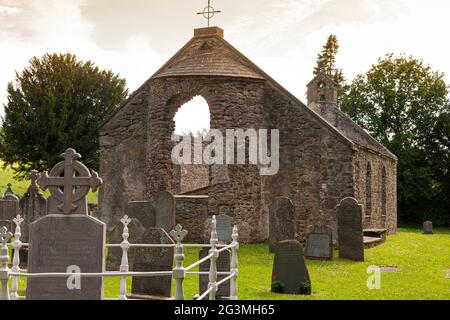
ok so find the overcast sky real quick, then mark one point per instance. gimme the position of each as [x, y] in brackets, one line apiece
[135, 37]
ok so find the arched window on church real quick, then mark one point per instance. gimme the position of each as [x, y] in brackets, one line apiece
[321, 91]
[383, 195]
[369, 191]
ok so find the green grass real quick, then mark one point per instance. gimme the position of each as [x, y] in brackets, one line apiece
[20, 187]
[423, 262]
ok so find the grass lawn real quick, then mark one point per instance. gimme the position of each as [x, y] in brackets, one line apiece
[423, 263]
[20, 187]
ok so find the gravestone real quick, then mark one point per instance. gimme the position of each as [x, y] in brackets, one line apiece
[428, 227]
[319, 246]
[9, 208]
[67, 239]
[143, 211]
[281, 222]
[136, 231]
[153, 259]
[165, 206]
[350, 231]
[33, 206]
[224, 229]
[290, 273]
[223, 265]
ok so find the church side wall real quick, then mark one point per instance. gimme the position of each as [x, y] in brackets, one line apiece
[380, 207]
[122, 158]
[316, 167]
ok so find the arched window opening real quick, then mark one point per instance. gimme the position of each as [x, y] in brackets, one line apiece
[193, 117]
[321, 91]
[369, 191]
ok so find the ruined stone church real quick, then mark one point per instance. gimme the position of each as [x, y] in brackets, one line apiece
[324, 155]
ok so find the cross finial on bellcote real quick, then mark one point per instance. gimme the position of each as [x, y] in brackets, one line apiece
[208, 13]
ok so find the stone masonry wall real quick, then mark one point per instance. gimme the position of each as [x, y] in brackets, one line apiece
[316, 169]
[234, 103]
[122, 161]
[192, 214]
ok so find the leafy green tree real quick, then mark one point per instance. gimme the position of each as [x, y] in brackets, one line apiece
[57, 102]
[326, 62]
[404, 104]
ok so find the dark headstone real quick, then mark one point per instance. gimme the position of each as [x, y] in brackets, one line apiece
[223, 265]
[319, 246]
[67, 239]
[9, 209]
[153, 259]
[60, 241]
[164, 203]
[281, 222]
[350, 231]
[224, 229]
[428, 227]
[290, 274]
[143, 211]
[136, 231]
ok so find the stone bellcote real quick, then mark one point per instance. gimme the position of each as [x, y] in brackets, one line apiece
[322, 90]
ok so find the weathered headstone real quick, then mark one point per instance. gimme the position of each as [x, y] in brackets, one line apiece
[165, 206]
[290, 273]
[319, 246]
[223, 265]
[281, 222]
[67, 239]
[350, 231]
[33, 206]
[224, 229]
[136, 231]
[153, 259]
[428, 227]
[143, 211]
[9, 208]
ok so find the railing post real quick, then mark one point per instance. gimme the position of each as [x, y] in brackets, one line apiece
[179, 273]
[4, 259]
[213, 261]
[124, 265]
[17, 244]
[234, 264]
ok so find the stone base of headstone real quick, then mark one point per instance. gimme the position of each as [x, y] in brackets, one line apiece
[220, 298]
[149, 298]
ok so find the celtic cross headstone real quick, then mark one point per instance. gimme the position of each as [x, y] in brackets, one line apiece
[67, 239]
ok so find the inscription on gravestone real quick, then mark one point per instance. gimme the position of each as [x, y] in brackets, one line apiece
[67, 236]
[290, 274]
[319, 246]
[223, 265]
[350, 232]
[281, 222]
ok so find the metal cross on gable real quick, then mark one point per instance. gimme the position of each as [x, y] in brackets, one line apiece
[208, 13]
[76, 181]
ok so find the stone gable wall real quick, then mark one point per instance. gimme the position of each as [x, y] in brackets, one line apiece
[316, 169]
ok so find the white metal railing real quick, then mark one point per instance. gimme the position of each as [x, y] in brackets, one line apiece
[178, 273]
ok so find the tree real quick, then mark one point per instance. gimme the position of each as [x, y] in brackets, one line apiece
[403, 103]
[326, 62]
[57, 102]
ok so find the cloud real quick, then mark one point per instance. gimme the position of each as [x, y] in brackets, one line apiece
[37, 27]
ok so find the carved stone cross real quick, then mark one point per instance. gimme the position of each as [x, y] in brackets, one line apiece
[33, 176]
[5, 235]
[76, 180]
[178, 234]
